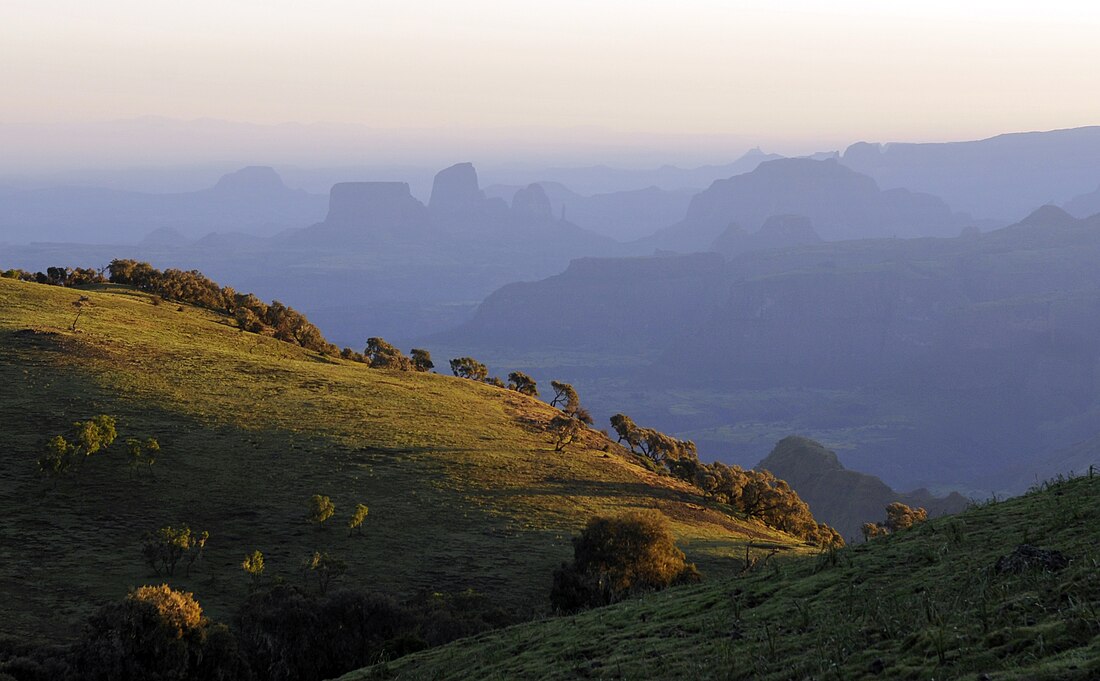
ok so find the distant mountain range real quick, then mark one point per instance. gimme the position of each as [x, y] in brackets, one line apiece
[841, 203]
[1002, 178]
[966, 361]
[253, 200]
[624, 215]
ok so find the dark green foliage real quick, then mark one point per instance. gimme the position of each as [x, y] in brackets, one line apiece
[156, 633]
[468, 367]
[287, 634]
[495, 382]
[165, 548]
[60, 455]
[142, 453]
[615, 557]
[381, 355]
[422, 360]
[564, 430]
[523, 384]
[323, 569]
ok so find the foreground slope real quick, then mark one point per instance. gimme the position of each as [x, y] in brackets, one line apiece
[463, 485]
[926, 603]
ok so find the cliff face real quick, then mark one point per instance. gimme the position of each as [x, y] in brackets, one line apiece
[840, 497]
[456, 189]
[379, 204]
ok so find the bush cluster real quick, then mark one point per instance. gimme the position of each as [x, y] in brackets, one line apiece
[756, 494]
[194, 288]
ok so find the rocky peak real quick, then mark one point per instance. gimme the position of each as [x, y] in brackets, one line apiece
[532, 203]
[456, 188]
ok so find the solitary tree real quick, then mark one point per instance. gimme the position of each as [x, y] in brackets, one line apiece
[324, 568]
[614, 557]
[523, 384]
[355, 523]
[143, 453]
[253, 566]
[165, 548]
[321, 509]
[80, 303]
[422, 360]
[564, 430]
[468, 367]
[564, 396]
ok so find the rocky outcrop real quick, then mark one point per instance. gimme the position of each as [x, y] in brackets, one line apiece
[456, 189]
[382, 204]
[840, 497]
[532, 204]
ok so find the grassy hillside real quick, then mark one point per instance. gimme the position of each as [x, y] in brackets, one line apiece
[926, 603]
[463, 485]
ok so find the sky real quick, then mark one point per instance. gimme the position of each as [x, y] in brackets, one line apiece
[696, 78]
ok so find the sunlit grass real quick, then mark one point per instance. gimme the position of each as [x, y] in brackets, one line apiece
[925, 603]
[464, 488]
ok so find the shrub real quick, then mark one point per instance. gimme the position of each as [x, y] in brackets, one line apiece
[166, 547]
[321, 509]
[355, 523]
[615, 557]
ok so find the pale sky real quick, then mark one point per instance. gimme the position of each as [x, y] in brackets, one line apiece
[788, 74]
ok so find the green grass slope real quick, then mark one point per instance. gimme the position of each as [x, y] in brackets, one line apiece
[463, 485]
[926, 603]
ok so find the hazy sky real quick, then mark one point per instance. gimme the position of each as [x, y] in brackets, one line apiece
[791, 75]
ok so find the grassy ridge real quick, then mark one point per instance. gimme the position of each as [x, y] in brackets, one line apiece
[464, 487]
[922, 604]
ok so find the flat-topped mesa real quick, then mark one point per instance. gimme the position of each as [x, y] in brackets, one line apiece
[251, 181]
[532, 204]
[374, 203]
[456, 189]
